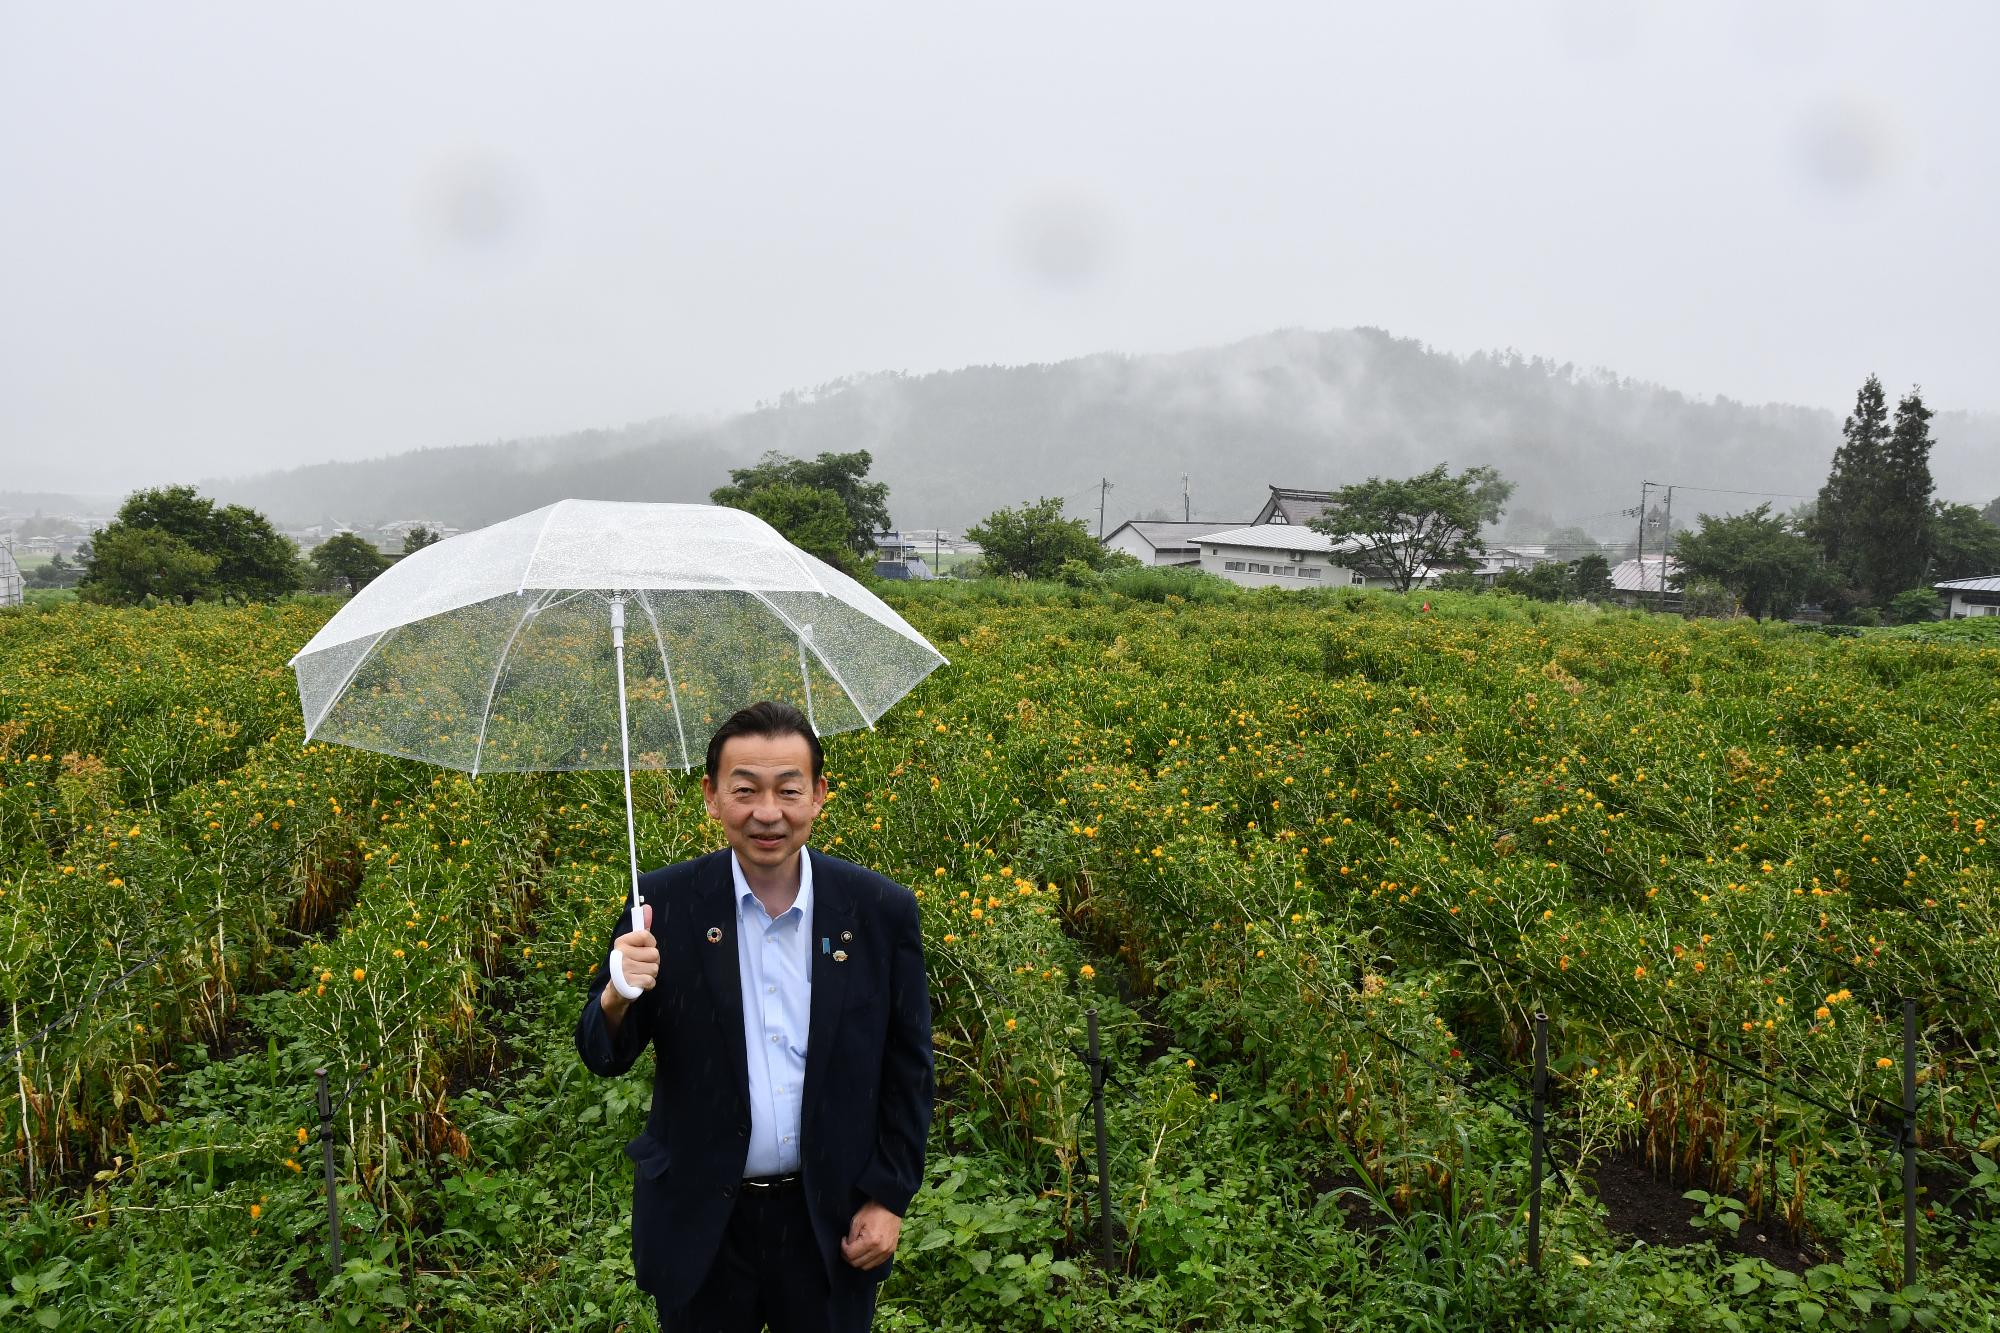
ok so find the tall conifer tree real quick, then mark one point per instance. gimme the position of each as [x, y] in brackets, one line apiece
[1900, 521]
[1857, 467]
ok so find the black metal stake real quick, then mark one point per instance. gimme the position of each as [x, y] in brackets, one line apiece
[1909, 1143]
[1535, 1152]
[1103, 1166]
[326, 1159]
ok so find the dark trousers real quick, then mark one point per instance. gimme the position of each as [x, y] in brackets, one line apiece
[768, 1272]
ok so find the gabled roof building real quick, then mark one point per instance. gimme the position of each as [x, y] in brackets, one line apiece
[1162, 542]
[1970, 597]
[1286, 555]
[1290, 505]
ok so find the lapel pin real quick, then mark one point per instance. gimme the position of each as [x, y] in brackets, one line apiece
[715, 934]
[847, 937]
[840, 955]
[824, 944]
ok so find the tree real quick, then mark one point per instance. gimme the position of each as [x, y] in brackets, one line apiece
[1964, 545]
[249, 559]
[1459, 580]
[1034, 540]
[347, 558]
[417, 538]
[1767, 567]
[1897, 525]
[867, 503]
[1549, 581]
[1992, 512]
[1406, 526]
[255, 562]
[1592, 576]
[1874, 517]
[125, 565]
[1915, 605]
[1707, 599]
[813, 520]
[57, 573]
[1572, 541]
[1852, 481]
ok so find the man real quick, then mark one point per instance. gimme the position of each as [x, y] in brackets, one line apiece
[783, 993]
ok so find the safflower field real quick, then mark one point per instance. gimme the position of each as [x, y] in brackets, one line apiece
[1317, 861]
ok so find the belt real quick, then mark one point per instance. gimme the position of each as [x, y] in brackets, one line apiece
[789, 1181]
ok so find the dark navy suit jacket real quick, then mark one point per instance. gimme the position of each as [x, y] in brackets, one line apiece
[869, 1076]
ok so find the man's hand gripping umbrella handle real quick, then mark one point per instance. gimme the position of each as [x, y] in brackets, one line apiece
[618, 982]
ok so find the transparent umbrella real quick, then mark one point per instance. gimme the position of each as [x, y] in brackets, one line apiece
[596, 634]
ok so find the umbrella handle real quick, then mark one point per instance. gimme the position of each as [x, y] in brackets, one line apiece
[618, 982]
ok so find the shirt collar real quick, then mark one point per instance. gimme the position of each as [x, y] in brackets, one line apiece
[746, 897]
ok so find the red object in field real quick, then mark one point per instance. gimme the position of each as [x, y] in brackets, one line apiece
[1427, 606]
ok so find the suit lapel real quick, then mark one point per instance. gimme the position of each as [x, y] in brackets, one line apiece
[833, 931]
[716, 908]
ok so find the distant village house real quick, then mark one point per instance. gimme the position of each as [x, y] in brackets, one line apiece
[1286, 555]
[1163, 543]
[1649, 578]
[1965, 598]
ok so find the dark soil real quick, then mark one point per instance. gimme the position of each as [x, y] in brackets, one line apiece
[1642, 1204]
[1160, 1038]
[1357, 1212]
[1942, 1190]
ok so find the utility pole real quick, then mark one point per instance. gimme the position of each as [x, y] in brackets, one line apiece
[1666, 545]
[1103, 489]
[1644, 487]
[937, 551]
[1187, 507]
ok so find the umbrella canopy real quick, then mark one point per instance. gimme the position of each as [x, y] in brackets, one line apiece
[494, 651]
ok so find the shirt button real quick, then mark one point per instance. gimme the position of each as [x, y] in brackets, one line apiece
[775, 1039]
[770, 990]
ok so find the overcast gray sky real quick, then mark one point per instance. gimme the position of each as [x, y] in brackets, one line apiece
[236, 237]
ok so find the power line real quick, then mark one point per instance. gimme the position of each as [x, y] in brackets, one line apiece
[1724, 490]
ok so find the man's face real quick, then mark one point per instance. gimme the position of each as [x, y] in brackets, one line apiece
[766, 797]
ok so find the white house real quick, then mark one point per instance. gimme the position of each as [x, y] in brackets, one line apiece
[1970, 597]
[1162, 543]
[1285, 555]
[1642, 578]
[1497, 560]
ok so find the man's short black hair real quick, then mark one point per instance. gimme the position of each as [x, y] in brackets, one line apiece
[768, 718]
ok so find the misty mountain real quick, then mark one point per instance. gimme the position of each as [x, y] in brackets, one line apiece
[1293, 408]
[469, 486]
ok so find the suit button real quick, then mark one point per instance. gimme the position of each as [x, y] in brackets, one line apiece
[743, 1130]
[728, 1191]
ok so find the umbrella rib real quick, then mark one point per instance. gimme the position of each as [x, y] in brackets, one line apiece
[529, 568]
[667, 666]
[479, 746]
[348, 679]
[804, 641]
[800, 559]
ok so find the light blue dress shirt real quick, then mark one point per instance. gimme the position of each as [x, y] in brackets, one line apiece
[774, 960]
